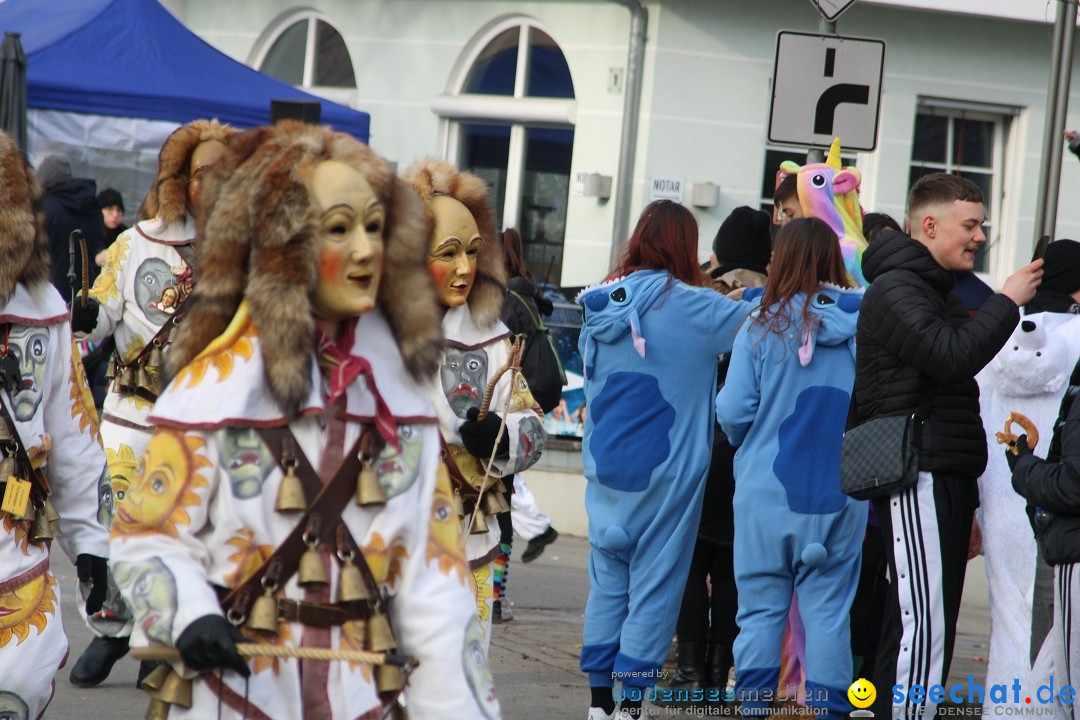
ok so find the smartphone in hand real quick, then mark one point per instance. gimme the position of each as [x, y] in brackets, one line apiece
[1040, 247]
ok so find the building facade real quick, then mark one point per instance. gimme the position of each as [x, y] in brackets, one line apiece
[530, 94]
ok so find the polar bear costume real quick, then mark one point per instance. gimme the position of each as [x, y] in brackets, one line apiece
[1028, 376]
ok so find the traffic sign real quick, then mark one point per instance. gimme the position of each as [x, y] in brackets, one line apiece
[831, 9]
[826, 86]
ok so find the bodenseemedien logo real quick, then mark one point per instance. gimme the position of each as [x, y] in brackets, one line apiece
[862, 694]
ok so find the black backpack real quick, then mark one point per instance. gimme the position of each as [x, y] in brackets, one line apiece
[540, 362]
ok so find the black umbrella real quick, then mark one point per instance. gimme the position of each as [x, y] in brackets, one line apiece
[13, 88]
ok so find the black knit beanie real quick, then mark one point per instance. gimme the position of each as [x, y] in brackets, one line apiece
[1061, 268]
[743, 241]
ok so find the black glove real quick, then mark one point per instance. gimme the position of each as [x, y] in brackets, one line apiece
[84, 319]
[1022, 449]
[93, 571]
[478, 436]
[209, 643]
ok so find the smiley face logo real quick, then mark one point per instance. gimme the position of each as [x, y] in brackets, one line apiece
[862, 693]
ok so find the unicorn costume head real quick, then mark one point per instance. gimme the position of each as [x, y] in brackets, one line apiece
[830, 192]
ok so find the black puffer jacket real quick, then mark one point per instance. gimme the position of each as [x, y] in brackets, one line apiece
[1054, 484]
[912, 330]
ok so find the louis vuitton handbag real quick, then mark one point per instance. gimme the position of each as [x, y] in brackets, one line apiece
[881, 457]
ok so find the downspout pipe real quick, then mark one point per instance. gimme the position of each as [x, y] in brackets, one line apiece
[635, 64]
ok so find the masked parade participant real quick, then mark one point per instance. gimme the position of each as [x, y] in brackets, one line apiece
[291, 499]
[50, 452]
[138, 299]
[466, 264]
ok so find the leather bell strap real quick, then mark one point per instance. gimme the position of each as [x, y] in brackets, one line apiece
[326, 502]
[16, 448]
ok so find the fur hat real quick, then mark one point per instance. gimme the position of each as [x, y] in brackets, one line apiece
[743, 241]
[258, 238]
[168, 196]
[24, 245]
[431, 177]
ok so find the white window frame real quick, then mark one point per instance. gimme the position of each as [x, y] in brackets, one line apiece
[1001, 117]
[456, 108]
[343, 96]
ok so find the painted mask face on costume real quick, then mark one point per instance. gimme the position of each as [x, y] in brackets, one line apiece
[203, 158]
[351, 233]
[29, 346]
[452, 254]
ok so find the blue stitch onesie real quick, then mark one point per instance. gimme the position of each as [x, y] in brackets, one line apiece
[784, 406]
[650, 370]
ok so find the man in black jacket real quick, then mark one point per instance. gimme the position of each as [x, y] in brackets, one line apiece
[70, 204]
[915, 337]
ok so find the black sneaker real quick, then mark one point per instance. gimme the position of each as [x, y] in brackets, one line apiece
[496, 612]
[97, 661]
[536, 546]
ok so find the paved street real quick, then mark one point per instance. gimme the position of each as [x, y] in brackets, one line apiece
[534, 657]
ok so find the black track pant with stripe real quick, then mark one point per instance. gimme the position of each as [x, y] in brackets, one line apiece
[926, 531]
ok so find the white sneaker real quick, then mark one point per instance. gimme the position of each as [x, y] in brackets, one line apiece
[596, 713]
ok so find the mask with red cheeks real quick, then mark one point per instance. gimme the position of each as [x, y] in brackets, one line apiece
[452, 254]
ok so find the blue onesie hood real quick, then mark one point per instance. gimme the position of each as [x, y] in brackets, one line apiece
[615, 308]
[836, 312]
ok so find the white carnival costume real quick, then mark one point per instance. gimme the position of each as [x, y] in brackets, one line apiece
[55, 417]
[292, 494]
[1029, 375]
[471, 357]
[215, 523]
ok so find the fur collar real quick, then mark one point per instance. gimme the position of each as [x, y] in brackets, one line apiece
[168, 196]
[431, 177]
[258, 239]
[24, 244]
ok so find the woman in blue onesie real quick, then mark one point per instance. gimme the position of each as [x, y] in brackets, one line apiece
[784, 407]
[649, 342]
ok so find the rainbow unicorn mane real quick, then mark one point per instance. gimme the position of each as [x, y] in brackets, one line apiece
[830, 192]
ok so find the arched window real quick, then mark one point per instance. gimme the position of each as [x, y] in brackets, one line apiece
[510, 113]
[304, 49]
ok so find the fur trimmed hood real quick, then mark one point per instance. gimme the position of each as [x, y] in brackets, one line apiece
[431, 177]
[258, 238]
[24, 245]
[168, 196]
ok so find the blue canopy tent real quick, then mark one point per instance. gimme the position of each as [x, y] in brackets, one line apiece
[108, 80]
[132, 58]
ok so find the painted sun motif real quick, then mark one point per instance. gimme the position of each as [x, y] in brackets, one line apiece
[352, 638]
[39, 452]
[105, 287]
[481, 587]
[445, 543]
[82, 401]
[19, 530]
[223, 350]
[385, 562]
[165, 484]
[248, 557]
[25, 607]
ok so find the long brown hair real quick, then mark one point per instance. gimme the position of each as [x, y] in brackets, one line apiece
[666, 238]
[807, 254]
[514, 253]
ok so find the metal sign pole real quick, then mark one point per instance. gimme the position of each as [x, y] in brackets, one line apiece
[1057, 103]
[817, 155]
